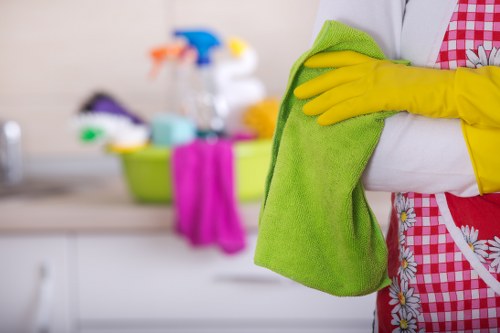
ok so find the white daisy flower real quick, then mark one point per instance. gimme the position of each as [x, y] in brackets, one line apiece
[404, 324]
[402, 239]
[408, 266]
[406, 213]
[481, 59]
[406, 303]
[495, 253]
[494, 59]
[479, 247]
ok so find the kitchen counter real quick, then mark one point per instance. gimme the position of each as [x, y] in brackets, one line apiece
[112, 264]
[101, 205]
[91, 196]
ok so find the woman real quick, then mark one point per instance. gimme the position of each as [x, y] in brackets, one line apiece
[444, 248]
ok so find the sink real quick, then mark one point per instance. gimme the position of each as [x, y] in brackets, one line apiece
[34, 188]
[56, 177]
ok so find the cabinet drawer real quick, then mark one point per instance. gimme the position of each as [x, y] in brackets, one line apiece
[34, 289]
[161, 281]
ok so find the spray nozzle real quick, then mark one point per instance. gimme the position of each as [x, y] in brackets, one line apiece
[203, 41]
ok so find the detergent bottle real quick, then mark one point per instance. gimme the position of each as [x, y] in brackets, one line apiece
[211, 109]
[237, 83]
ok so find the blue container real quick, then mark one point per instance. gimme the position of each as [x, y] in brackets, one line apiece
[170, 130]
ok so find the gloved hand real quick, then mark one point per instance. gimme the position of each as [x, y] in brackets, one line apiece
[361, 85]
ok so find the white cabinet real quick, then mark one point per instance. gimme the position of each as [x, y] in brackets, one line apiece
[156, 283]
[34, 294]
[148, 282]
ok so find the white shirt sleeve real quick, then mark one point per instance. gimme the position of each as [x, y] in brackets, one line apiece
[381, 19]
[418, 154]
[414, 154]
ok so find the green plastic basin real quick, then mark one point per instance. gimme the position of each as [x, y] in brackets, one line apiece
[148, 171]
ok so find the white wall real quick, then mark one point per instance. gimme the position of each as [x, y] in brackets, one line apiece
[54, 53]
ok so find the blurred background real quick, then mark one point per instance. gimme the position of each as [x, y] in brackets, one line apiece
[55, 53]
[88, 239]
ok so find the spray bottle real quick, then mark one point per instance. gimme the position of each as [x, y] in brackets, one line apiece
[175, 125]
[211, 108]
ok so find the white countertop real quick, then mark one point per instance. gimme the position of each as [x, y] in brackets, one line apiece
[98, 200]
[86, 194]
[101, 206]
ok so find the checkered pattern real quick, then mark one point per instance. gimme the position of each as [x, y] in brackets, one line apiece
[442, 292]
[452, 295]
[474, 23]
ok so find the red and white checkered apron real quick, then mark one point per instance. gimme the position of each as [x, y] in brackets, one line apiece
[444, 251]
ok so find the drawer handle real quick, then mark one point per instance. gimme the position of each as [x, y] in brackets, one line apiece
[247, 279]
[45, 302]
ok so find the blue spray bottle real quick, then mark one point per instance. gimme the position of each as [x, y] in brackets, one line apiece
[211, 108]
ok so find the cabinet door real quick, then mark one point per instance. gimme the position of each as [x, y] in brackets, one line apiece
[158, 282]
[33, 284]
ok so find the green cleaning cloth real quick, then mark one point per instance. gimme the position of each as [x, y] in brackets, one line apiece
[315, 224]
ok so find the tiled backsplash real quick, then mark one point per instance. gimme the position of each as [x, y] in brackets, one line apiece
[55, 53]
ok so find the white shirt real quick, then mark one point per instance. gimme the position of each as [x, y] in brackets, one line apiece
[414, 154]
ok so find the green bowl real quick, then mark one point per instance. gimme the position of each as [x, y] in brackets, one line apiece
[148, 173]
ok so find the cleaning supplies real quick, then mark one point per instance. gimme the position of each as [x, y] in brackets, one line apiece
[315, 224]
[179, 58]
[103, 119]
[176, 125]
[211, 108]
[214, 94]
[262, 117]
[175, 51]
[170, 129]
[204, 198]
[237, 84]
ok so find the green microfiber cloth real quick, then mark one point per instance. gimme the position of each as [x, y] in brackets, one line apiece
[315, 224]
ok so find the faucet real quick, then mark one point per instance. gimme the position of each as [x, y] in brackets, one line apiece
[11, 161]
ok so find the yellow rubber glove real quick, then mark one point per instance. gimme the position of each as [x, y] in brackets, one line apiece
[478, 96]
[361, 85]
